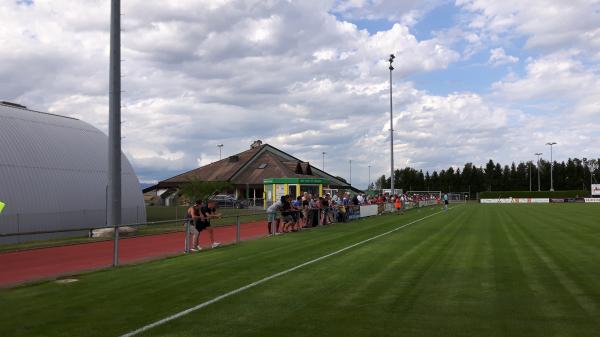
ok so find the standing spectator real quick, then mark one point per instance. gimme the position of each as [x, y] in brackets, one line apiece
[209, 211]
[273, 216]
[197, 224]
[306, 209]
[324, 209]
[298, 215]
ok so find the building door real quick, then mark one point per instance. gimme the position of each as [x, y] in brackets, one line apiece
[292, 191]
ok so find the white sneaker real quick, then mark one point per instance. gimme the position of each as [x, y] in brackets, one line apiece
[216, 244]
[193, 250]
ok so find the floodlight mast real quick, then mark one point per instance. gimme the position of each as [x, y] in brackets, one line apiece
[538, 154]
[391, 60]
[551, 166]
[114, 125]
[220, 146]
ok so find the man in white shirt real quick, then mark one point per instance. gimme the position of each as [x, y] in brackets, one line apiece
[272, 215]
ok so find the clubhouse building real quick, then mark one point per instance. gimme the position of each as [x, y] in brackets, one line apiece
[262, 172]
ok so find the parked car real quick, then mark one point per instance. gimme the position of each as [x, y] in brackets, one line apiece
[225, 200]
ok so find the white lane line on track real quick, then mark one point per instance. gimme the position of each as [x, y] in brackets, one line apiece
[253, 284]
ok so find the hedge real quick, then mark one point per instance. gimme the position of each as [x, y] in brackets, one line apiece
[527, 194]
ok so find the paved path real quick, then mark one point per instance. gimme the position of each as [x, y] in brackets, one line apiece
[42, 263]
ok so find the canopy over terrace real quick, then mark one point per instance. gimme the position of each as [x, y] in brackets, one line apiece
[275, 188]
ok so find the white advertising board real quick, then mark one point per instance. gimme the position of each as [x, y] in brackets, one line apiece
[515, 201]
[530, 200]
[368, 210]
[595, 189]
[592, 200]
[496, 201]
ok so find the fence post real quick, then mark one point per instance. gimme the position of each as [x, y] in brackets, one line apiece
[187, 236]
[319, 221]
[273, 226]
[237, 231]
[18, 228]
[116, 247]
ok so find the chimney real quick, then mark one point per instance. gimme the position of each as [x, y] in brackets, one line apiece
[256, 144]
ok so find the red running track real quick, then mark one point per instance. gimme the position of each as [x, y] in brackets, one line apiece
[42, 263]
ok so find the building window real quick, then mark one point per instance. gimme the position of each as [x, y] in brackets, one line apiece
[262, 166]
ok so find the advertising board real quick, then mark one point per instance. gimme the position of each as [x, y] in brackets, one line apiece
[530, 200]
[595, 189]
[496, 201]
[515, 201]
[368, 210]
[569, 200]
[353, 212]
[592, 200]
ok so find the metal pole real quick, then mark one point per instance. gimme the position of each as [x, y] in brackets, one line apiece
[237, 230]
[220, 147]
[529, 176]
[187, 236]
[369, 186]
[551, 166]
[391, 131]
[551, 170]
[323, 162]
[350, 172]
[538, 154]
[114, 126]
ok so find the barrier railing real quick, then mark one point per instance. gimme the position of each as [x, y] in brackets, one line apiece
[307, 218]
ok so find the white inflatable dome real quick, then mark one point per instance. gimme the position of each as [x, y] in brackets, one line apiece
[53, 175]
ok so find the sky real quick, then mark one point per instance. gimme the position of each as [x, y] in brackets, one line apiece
[474, 79]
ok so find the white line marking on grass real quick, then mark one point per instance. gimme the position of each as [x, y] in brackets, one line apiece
[253, 284]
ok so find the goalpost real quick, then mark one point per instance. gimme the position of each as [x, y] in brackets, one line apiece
[425, 198]
[458, 197]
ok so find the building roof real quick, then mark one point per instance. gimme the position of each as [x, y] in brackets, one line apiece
[252, 167]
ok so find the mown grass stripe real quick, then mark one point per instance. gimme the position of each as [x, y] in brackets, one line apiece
[266, 279]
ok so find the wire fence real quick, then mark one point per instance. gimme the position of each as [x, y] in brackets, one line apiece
[233, 228]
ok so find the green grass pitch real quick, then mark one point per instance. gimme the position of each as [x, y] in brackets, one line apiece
[476, 270]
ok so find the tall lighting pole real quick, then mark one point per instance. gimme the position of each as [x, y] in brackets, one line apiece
[369, 186]
[323, 167]
[551, 166]
[350, 172]
[530, 176]
[114, 125]
[391, 60]
[220, 146]
[538, 154]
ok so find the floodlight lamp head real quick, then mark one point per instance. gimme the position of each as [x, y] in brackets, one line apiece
[391, 68]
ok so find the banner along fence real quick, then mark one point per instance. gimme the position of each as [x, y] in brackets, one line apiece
[538, 200]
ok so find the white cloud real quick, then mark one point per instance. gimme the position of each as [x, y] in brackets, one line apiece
[546, 24]
[200, 73]
[498, 57]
